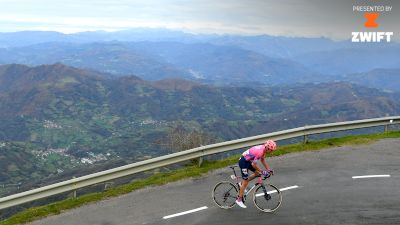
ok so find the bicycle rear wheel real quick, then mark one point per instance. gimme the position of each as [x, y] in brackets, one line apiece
[267, 198]
[225, 194]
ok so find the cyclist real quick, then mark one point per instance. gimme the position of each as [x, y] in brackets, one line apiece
[248, 161]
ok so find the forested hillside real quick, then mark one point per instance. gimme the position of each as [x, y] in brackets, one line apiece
[56, 118]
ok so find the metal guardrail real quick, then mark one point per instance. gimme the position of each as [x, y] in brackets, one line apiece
[100, 177]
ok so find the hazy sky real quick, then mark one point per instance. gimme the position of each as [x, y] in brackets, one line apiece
[329, 18]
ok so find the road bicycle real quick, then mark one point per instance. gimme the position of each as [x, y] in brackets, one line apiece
[266, 196]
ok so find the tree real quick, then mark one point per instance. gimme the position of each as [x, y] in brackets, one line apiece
[179, 138]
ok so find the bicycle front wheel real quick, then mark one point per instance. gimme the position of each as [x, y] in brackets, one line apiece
[225, 194]
[267, 198]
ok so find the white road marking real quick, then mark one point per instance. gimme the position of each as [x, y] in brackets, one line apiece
[370, 176]
[186, 212]
[282, 189]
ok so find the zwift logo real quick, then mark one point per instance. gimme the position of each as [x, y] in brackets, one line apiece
[371, 15]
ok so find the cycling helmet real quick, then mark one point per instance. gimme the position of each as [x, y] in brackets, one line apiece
[270, 144]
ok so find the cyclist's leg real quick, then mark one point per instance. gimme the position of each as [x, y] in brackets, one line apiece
[255, 173]
[244, 170]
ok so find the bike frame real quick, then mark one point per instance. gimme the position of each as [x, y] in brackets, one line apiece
[237, 181]
[247, 192]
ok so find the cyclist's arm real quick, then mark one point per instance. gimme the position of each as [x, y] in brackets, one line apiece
[254, 164]
[265, 164]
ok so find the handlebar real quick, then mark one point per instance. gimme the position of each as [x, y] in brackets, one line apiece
[263, 177]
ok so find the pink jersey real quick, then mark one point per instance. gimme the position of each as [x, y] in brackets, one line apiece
[254, 153]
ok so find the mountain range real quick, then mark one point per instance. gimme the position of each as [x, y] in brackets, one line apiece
[219, 59]
[385, 79]
[57, 118]
[160, 60]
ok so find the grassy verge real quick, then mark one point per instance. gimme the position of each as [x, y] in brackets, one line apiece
[189, 171]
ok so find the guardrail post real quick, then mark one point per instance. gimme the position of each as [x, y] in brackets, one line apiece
[305, 139]
[200, 161]
[74, 192]
[108, 185]
[387, 126]
[305, 136]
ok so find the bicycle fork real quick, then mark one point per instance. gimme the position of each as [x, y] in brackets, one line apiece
[266, 195]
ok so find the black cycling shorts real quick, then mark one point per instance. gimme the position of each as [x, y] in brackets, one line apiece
[245, 166]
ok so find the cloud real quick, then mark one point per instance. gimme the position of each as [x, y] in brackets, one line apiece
[308, 18]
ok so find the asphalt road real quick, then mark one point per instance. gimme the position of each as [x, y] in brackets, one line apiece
[327, 193]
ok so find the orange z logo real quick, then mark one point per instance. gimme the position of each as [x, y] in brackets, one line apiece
[371, 17]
